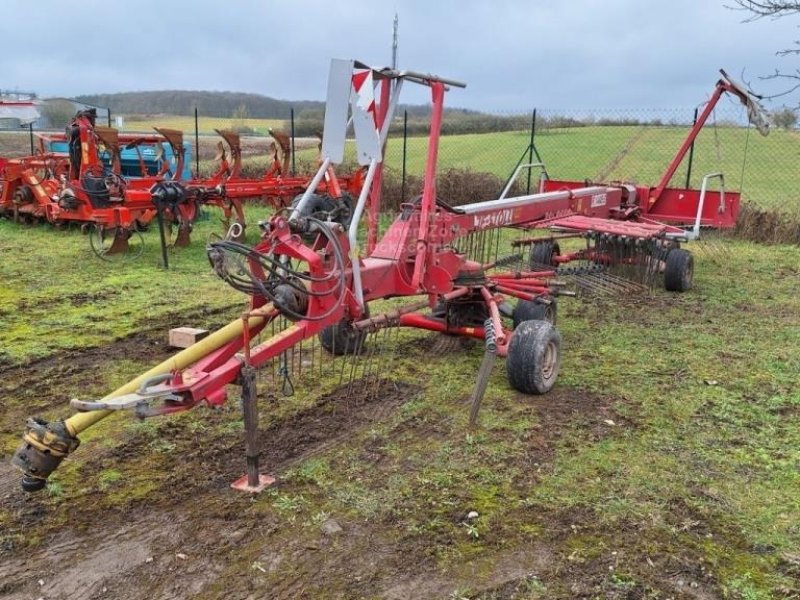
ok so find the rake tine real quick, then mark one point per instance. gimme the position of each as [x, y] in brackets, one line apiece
[300, 360]
[374, 350]
[655, 270]
[590, 283]
[370, 367]
[367, 362]
[647, 264]
[384, 336]
[380, 343]
[354, 363]
[600, 284]
[313, 355]
[642, 264]
[341, 372]
[375, 387]
[272, 361]
[713, 249]
[497, 245]
[622, 285]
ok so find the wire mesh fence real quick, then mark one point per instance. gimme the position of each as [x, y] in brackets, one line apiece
[631, 145]
[634, 146]
[478, 151]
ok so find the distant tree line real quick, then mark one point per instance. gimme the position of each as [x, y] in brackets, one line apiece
[208, 104]
[239, 107]
[309, 122]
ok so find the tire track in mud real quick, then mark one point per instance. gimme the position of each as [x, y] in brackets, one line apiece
[95, 560]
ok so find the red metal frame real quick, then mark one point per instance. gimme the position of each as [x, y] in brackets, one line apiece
[226, 189]
[679, 205]
[416, 256]
[50, 175]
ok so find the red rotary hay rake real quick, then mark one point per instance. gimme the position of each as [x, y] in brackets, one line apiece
[685, 206]
[310, 271]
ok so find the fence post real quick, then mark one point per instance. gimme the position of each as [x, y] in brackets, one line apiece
[291, 119]
[196, 144]
[691, 155]
[530, 150]
[30, 130]
[405, 147]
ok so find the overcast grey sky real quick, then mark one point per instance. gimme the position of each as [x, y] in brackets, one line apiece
[513, 54]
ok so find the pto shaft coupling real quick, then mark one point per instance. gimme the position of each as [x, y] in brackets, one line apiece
[44, 446]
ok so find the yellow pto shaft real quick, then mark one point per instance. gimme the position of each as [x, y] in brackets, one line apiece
[45, 444]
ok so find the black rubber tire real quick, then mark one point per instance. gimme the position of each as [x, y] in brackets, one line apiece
[541, 256]
[527, 310]
[33, 484]
[325, 204]
[534, 357]
[315, 204]
[679, 270]
[341, 339]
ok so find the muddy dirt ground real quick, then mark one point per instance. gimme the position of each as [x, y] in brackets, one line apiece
[191, 536]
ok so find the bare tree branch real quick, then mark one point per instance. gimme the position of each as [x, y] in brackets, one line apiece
[768, 8]
[774, 9]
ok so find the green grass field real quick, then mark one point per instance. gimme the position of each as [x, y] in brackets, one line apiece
[764, 169]
[664, 464]
[766, 173]
[206, 125]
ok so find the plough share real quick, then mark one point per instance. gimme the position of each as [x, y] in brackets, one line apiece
[79, 187]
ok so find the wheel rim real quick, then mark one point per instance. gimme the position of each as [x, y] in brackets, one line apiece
[688, 274]
[549, 360]
[101, 241]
